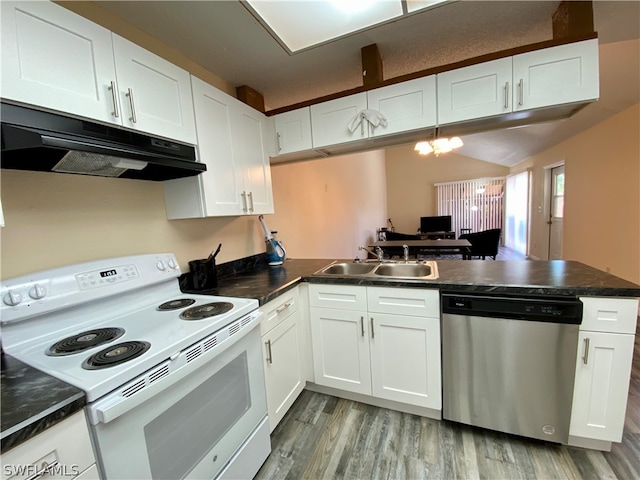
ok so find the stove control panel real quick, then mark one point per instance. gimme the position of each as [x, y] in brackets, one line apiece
[109, 276]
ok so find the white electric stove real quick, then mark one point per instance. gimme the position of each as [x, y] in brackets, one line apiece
[122, 331]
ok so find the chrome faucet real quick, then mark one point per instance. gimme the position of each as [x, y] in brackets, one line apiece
[378, 252]
[405, 249]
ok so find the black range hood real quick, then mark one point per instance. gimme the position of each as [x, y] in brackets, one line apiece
[42, 141]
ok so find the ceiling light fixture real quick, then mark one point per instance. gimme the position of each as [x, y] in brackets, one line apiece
[438, 146]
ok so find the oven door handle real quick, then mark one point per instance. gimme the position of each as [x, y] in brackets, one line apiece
[114, 405]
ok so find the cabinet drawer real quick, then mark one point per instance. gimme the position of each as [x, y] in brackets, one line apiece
[614, 315]
[279, 309]
[341, 297]
[66, 443]
[404, 301]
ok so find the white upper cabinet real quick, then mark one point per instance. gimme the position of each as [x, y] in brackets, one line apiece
[293, 131]
[476, 91]
[336, 121]
[154, 95]
[58, 60]
[557, 75]
[542, 78]
[232, 143]
[250, 133]
[406, 106]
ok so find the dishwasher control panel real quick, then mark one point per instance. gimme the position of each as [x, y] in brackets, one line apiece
[550, 309]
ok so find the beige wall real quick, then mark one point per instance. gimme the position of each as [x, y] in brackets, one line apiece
[602, 196]
[410, 180]
[327, 208]
[55, 219]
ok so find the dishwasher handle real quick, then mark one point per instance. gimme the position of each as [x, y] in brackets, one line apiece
[567, 310]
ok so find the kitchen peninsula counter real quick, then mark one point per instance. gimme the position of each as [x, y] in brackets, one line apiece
[33, 401]
[520, 277]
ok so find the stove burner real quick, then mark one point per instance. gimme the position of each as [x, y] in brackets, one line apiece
[205, 311]
[115, 355]
[177, 304]
[84, 341]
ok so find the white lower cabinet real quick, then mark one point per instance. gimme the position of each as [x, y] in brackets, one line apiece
[61, 451]
[603, 369]
[283, 353]
[372, 352]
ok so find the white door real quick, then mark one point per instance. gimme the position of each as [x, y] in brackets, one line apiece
[283, 367]
[222, 182]
[56, 59]
[250, 131]
[293, 131]
[556, 214]
[405, 359]
[601, 385]
[556, 75]
[341, 349]
[330, 120]
[155, 95]
[476, 91]
[406, 106]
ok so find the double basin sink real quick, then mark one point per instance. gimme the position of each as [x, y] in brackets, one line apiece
[404, 270]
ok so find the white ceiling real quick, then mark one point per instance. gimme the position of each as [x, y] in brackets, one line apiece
[226, 39]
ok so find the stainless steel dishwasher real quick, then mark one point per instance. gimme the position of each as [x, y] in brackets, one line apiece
[508, 363]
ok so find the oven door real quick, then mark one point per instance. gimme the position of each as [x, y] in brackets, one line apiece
[188, 424]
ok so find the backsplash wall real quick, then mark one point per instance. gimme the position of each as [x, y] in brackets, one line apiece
[56, 219]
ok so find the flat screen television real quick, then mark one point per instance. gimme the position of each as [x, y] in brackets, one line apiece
[435, 224]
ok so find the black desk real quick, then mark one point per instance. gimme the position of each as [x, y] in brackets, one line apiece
[427, 246]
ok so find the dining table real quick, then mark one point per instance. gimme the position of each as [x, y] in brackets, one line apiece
[429, 247]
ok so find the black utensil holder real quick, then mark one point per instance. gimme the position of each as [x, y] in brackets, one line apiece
[203, 274]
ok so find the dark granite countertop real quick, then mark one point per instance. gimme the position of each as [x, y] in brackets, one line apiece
[526, 277]
[33, 401]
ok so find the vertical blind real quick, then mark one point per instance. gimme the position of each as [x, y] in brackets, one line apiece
[474, 205]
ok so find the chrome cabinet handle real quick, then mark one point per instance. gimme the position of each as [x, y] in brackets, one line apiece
[114, 98]
[44, 470]
[362, 325]
[506, 94]
[269, 356]
[244, 202]
[250, 195]
[520, 92]
[133, 116]
[283, 308]
[373, 333]
[278, 141]
[585, 358]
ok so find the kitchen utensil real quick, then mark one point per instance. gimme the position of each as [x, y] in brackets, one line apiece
[204, 273]
[275, 251]
[213, 254]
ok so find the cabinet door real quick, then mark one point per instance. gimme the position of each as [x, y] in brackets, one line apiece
[283, 367]
[341, 349]
[407, 106]
[250, 133]
[293, 131]
[155, 95]
[476, 91]
[610, 315]
[56, 59]
[330, 120]
[556, 75]
[339, 297]
[601, 385]
[222, 182]
[405, 359]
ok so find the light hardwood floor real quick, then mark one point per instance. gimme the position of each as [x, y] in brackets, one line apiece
[324, 437]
